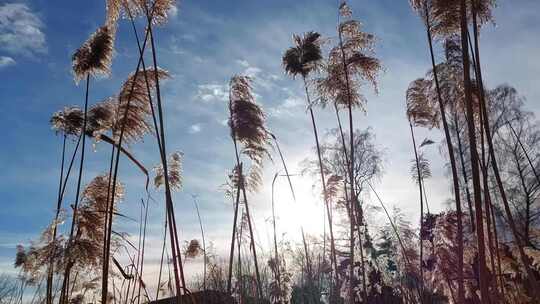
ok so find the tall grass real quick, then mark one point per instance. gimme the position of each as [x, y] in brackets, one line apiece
[484, 254]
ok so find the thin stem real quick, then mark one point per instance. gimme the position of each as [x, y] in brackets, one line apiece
[65, 284]
[276, 256]
[351, 165]
[464, 171]
[535, 286]
[162, 255]
[394, 227]
[168, 194]
[306, 250]
[143, 247]
[50, 270]
[323, 182]
[243, 189]
[450, 148]
[418, 171]
[524, 151]
[106, 257]
[477, 191]
[203, 241]
[235, 220]
[250, 225]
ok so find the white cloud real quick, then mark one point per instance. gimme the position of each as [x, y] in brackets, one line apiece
[173, 11]
[292, 102]
[290, 106]
[274, 77]
[252, 71]
[6, 61]
[262, 79]
[21, 30]
[243, 63]
[212, 92]
[196, 128]
[249, 70]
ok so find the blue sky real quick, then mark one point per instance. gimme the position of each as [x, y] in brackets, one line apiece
[202, 46]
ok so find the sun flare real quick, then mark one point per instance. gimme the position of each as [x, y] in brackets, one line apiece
[306, 212]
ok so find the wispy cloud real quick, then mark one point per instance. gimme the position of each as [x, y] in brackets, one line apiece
[6, 61]
[21, 30]
[290, 106]
[203, 47]
[196, 128]
[243, 63]
[260, 78]
[173, 11]
[212, 92]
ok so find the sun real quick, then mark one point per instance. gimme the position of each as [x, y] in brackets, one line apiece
[306, 212]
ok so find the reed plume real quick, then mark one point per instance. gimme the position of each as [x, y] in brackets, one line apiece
[101, 117]
[106, 115]
[444, 15]
[95, 194]
[161, 10]
[157, 11]
[92, 212]
[349, 64]
[39, 254]
[421, 170]
[175, 172]
[305, 57]
[113, 9]
[142, 7]
[134, 98]
[421, 107]
[68, 121]
[94, 57]
[193, 249]
[334, 188]
[251, 139]
[437, 24]
[247, 124]
[83, 251]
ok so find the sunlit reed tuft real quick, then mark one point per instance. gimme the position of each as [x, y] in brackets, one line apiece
[305, 56]
[422, 109]
[68, 121]
[135, 92]
[193, 249]
[247, 123]
[174, 165]
[349, 65]
[94, 57]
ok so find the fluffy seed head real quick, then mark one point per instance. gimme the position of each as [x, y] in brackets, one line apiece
[68, 121]
[94, 57]
[247, 123]
[135, 94]
[174, 164]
